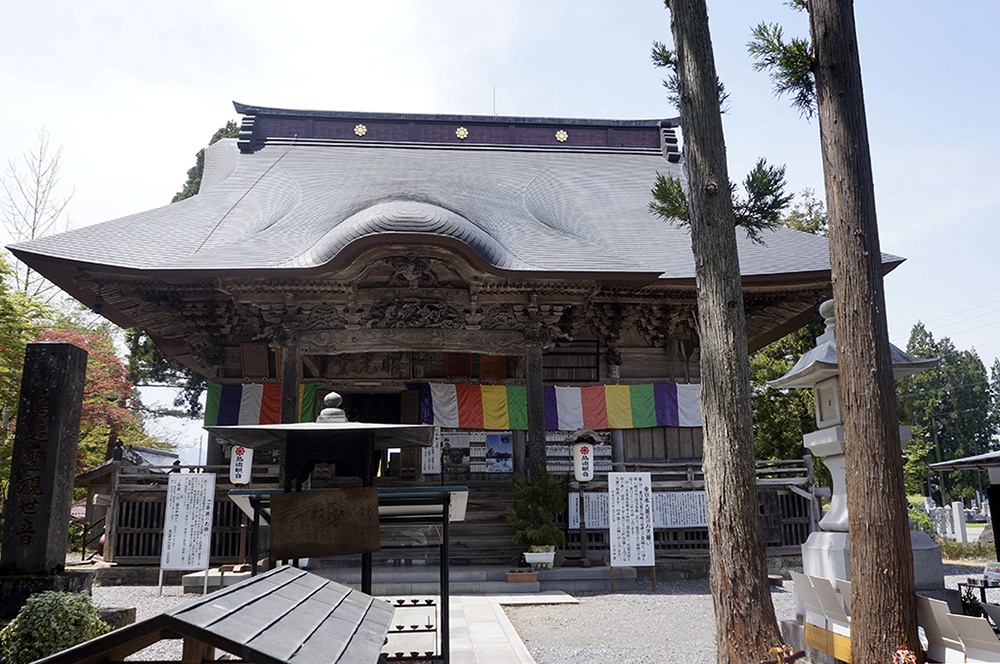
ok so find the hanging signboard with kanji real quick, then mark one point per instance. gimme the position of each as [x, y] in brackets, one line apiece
[240, 465]
[187, 529]
[583, 461]
[630, 519]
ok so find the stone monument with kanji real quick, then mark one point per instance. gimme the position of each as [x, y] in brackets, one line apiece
[40, 492]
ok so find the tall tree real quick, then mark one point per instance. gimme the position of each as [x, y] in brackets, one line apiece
[744, 615]
[827, 71]
[951, 410]
[782, 417]
[31, 208]
[111, 404]
[147, 365]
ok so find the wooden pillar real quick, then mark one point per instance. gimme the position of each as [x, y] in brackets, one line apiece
[618, 450]
[114, 505]
[214, 453]
[196, 652]
[536, 411]
[291, 371]
[520, 440]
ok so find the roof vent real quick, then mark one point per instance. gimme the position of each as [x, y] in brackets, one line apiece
[669, 145]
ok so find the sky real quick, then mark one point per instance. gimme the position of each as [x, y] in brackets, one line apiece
[132, 90]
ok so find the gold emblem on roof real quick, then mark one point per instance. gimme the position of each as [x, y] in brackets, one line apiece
[360, 130]
[462, 133]
[561, 136]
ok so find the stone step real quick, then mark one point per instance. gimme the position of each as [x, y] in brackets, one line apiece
[463, 588]
[414, 581]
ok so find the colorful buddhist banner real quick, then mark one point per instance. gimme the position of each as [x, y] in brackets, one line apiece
[255, 403]
[567, 408]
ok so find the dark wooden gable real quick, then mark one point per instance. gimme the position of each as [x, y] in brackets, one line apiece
[285, 616]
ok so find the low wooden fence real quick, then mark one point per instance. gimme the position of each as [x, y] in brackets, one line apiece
[787, 507]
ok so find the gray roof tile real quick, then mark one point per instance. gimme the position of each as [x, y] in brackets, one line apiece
[291, 205]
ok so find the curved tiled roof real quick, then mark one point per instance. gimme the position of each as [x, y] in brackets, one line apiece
[298, 204]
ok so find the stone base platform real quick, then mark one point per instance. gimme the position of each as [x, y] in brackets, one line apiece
[15, 589]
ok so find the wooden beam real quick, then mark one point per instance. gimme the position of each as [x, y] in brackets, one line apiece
[196, 652]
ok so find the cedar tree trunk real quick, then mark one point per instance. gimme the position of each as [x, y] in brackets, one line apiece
[883, 596]
[744, 615]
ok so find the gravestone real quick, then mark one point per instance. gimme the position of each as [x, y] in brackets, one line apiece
[40, 492]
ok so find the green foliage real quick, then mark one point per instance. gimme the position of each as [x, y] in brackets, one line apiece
[535, 508]
[971, 551]
[807, 215]
[789, 64]
[111, 407]
[193, 183]
[916, 453]
[50, 622]
[766, 199]
[922, 521]
[760, 210]
[951, 409]
[21, 316]
[781, 417]
[664, 58]
[148, 365]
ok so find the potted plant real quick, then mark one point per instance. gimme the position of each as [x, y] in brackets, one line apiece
[521, 576]
[536, 504]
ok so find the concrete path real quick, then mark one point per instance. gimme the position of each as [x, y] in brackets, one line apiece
[480, 630]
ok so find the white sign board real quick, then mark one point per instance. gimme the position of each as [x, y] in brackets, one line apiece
[630, 517]
[671, 509]
[240, 465]
[430, 457]
[187, 529]
[595, 510]
[680, 509]
[992, 572]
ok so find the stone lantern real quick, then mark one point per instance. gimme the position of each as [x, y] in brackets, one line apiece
[827, 552]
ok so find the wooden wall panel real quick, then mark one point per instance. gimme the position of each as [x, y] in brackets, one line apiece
[631, 446]
[659, 442]
[645, 443]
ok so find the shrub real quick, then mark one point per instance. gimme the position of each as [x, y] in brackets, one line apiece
[535, 508]
[48, 623]
[952, 550]
[922, 522]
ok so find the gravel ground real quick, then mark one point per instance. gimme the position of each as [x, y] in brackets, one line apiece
[147, 604]
[674, 624]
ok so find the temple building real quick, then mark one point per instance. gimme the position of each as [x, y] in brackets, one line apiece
[501, 277]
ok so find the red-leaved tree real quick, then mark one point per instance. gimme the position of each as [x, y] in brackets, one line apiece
[110, 400]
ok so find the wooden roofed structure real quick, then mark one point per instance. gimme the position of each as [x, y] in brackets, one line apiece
[372, 251]
[285, 616]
